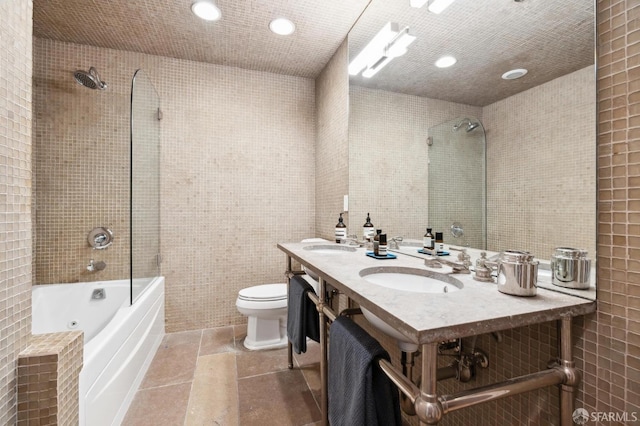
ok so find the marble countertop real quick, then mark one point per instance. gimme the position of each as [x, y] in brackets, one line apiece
[427, 317]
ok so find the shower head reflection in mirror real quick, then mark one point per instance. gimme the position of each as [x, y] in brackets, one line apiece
[470, 125]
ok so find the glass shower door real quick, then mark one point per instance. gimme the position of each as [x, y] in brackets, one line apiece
[145, 184]
[457, 182]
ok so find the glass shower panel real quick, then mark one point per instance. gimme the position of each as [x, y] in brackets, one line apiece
[457, 182]
[145, 183]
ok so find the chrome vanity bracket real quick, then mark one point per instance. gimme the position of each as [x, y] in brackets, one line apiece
[430, 408]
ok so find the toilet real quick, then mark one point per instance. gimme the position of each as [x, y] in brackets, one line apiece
[266, 308]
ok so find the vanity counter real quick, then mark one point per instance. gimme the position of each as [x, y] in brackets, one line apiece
[429, 317]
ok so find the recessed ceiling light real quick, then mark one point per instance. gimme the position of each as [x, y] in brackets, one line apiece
[446, 61]
[282, 26]
[513, 74]
[206, 10]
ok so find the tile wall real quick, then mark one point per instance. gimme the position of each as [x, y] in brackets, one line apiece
[332, 143]
[388, 158]
[237, 174]
[611, 339]
[81, 163]
[541, 167]
[15, 195]
[49, 379]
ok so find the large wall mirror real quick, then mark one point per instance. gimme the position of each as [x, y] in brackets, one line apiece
[539, 130]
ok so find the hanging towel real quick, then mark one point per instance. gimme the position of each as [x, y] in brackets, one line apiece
[360, 393]
[302, 315]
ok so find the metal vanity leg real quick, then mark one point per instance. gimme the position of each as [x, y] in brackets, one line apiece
[324, 400]
[289, 345]
[572, 375]
[428, 407]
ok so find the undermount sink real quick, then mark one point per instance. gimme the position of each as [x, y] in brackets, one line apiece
[329, 248]
[413, 280]
[326, 249]
[409, 280]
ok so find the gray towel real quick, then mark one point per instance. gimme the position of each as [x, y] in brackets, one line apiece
[302, 315]
[360, 394]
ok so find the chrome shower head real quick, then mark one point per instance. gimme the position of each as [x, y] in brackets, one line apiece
[89, 79]
[470, 125]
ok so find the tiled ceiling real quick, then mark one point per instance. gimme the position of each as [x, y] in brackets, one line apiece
[548, 37]
[241, 38]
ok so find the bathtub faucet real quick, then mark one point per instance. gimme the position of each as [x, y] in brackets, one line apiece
[94, 266]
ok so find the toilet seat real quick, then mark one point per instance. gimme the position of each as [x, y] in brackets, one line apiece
[264, 293]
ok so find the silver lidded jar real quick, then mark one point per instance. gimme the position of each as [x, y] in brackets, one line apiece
[570, 268]
[517, 273]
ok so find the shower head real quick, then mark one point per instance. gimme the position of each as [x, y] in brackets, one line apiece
[470, 125]
[89, 79]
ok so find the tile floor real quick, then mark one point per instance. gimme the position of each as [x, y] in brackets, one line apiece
[207, 377]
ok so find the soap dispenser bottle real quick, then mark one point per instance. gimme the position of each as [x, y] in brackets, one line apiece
[427, 242]
[368, 231]
[439, 242]
[341, 230]
[376, 242]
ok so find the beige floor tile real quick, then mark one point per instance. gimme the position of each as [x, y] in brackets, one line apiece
[252, 363]
[281, 398]
[175, 360]
[217, 340]
[311, 356]
[309, 363]
[162, 406]
[214, 395]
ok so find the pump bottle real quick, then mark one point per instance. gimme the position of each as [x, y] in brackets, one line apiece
[368, 231]
[427, 242]
[341, 230]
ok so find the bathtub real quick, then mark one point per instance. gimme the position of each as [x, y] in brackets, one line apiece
[119, 340]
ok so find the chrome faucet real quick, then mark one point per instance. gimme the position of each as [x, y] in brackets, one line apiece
[461, 267]
[394, 243]
[351, 240]
[94, 266]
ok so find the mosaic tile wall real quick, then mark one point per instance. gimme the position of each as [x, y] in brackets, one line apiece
[611, 337]
[81, 163]
[15, 195]
[332, 144]
[237, 174]
[49, 379]
[541, 167]
[388, 158]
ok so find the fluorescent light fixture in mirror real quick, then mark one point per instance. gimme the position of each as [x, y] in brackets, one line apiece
[437, 6]
[388, 43]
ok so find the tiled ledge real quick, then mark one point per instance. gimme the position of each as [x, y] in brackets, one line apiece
[48, 379]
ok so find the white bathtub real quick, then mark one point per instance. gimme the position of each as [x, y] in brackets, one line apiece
[120, 340]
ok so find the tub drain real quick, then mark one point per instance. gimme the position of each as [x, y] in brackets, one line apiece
[72, 324]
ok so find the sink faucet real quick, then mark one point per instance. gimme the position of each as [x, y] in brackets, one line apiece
[394, 243]
[460, 267]
[351, 240]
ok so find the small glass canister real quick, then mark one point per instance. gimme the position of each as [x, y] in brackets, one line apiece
[570, 268]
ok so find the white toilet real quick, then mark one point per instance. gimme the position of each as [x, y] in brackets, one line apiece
[266, 307]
